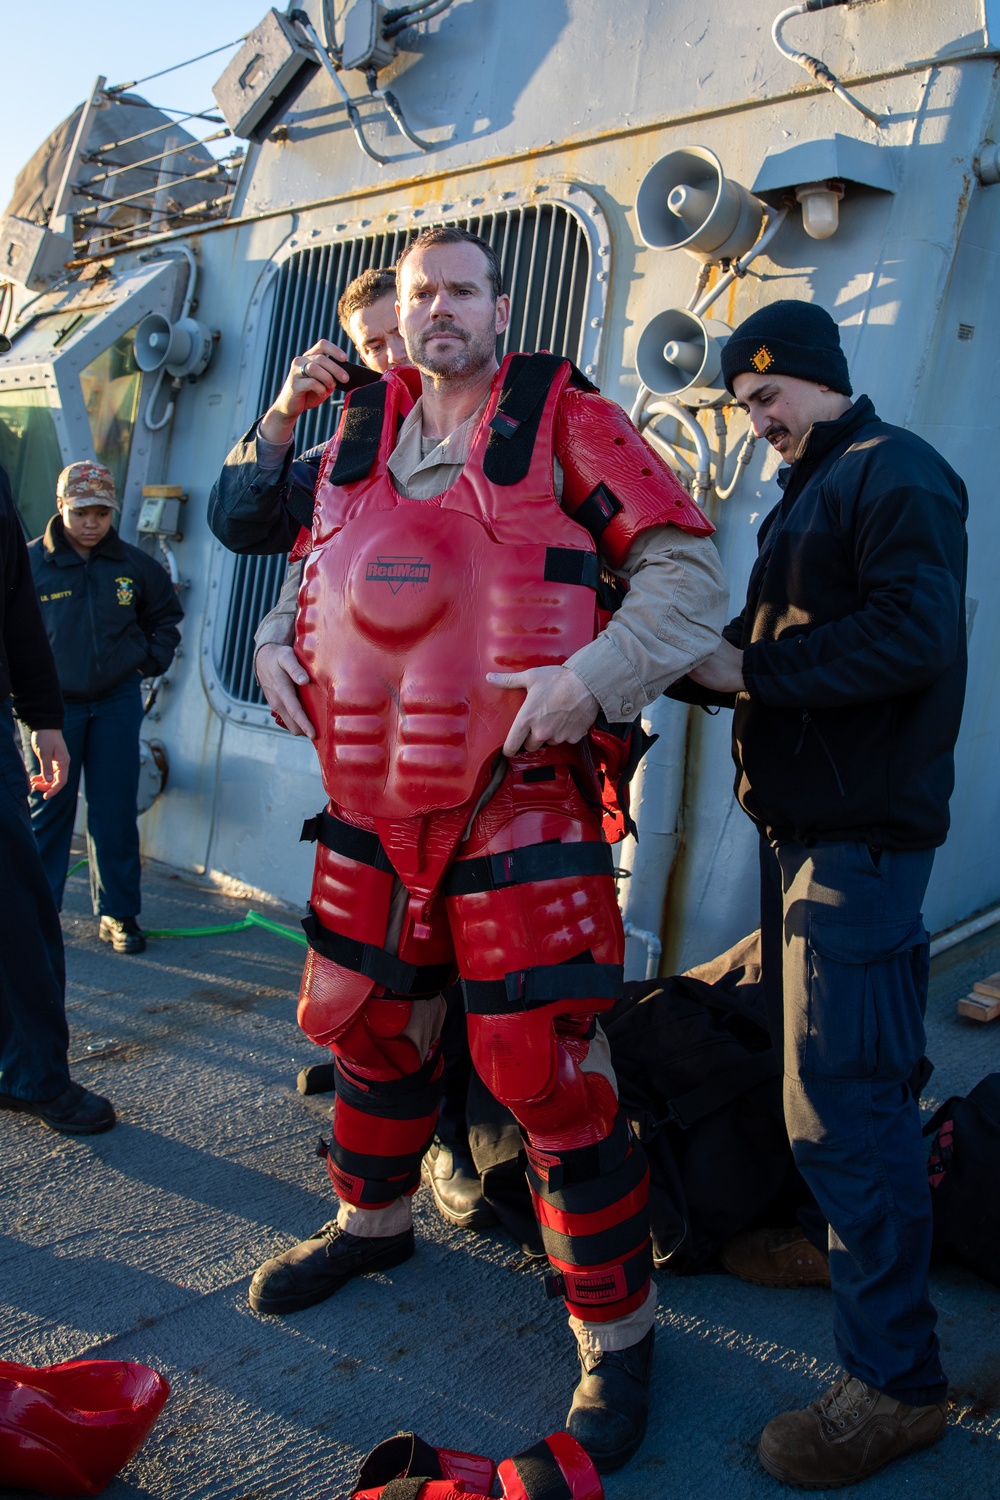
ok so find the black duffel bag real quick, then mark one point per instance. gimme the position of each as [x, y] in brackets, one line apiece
[964, 1173]
[702, 1089]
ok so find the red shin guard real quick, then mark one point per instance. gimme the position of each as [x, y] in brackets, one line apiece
[381, 1129]
[406, 1468]
[67, 1429]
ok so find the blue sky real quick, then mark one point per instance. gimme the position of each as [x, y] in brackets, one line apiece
[54, 49]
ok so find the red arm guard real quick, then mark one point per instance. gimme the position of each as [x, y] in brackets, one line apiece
[600, 451]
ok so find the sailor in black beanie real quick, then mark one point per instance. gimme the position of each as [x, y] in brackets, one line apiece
[846, 671]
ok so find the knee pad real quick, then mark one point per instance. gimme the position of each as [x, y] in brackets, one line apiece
[406, 1468]
[530, 1061]
[592, 1206]
[381, 1129]
[68, 1429]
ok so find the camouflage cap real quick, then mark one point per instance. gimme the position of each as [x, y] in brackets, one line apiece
[85, 483]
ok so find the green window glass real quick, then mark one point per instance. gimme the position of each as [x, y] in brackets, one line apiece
[110, 386]
[29, 451]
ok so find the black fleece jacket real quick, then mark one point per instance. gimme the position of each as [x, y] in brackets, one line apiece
[854, 642]
[26, 666]
[107, 616]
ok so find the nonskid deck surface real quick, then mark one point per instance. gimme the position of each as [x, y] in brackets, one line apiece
[140, 1245]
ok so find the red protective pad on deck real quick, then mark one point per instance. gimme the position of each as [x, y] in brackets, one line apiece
[68, 1429]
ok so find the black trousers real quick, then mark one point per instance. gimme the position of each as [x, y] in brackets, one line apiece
[33, 1034]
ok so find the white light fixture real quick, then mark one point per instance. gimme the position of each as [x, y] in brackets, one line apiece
[820, 207]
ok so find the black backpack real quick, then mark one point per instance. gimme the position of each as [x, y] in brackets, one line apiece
[964, 1173]
[702, 1089]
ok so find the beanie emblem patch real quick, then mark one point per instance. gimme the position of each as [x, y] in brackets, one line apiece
[762, 360]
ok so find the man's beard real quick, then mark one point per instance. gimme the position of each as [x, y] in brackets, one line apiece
[476, 353]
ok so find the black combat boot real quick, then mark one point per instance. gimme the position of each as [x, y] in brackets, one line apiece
[318, 1266]
[611, 1404]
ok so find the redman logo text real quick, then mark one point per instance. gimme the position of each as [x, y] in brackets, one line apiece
[395, 571]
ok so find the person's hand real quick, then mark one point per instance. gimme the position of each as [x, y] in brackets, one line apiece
[281, 674]
[312, 378]
[723, 672]
[53, 761]
[557, 709]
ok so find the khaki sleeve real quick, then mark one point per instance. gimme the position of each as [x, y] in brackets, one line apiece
[278, 626]
[670, 620]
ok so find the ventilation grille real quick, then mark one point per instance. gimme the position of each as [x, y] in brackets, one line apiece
[544, 251]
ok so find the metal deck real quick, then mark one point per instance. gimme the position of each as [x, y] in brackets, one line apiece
[140, 1244]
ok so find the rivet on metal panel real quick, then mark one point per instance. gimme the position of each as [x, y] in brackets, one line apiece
[604, 250]
[595, 210]
[596, 322]
[602, 275]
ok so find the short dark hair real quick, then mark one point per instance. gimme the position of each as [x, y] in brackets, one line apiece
[452, 234]
[364, 291]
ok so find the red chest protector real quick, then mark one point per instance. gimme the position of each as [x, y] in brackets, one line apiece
[405, 605]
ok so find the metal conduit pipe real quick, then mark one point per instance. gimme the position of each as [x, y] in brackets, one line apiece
[654, 948]
[663, 407]
[815, 66]
[972, 928]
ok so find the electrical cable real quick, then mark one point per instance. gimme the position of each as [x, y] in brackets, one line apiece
[815, 66]
[302, 21]
[414, 15]
[119, 88]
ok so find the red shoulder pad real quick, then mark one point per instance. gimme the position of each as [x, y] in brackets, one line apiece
[629, 488]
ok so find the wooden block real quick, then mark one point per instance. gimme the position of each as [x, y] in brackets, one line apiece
[979, 1008]
[988, 986]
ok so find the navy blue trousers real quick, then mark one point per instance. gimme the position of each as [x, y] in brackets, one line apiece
[33, 1035]
[102, 737]
[844, 958]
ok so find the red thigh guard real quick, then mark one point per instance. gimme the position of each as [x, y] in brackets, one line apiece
[355, 995]
[539, 941]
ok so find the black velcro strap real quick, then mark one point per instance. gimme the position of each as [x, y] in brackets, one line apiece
[598, 511]
[359, 844]
[405, 1454]
[375, 963]
[614, 1243]
[403, 1489]
[726, 1085]
[526, 989]
[360, 434]
[494, 872]
[568, 565]
[588, 1179]
[412, 1097]
[540, 1475]
[299, 490]
[514, 424]
[599, 1288]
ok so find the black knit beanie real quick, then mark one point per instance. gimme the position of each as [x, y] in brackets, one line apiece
[788, 338]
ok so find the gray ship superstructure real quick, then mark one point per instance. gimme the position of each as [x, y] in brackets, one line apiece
[651, 171]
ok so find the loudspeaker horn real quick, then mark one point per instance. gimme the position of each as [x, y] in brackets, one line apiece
[686, 202]
[183, 348]
[679, 352]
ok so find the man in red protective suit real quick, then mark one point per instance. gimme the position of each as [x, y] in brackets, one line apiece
[461, 646]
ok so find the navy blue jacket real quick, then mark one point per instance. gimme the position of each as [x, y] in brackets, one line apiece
[854, 642]
[26, 666]
[107, 616]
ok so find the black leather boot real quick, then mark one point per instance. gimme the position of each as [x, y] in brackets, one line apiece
[611, 1404]
[314, 1269]
[455, 1187]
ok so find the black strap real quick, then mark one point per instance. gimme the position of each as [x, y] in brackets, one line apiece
[494, 872]
[514, 424]
[375, 963]
[728, 1084]
[360, 434]
[540, 1475]
[569, 565]
[598, 511]
[359, 844]
[526, 989]
[567, 1179]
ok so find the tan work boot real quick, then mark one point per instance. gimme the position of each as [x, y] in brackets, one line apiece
[776, 1257]
[846, 1435]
